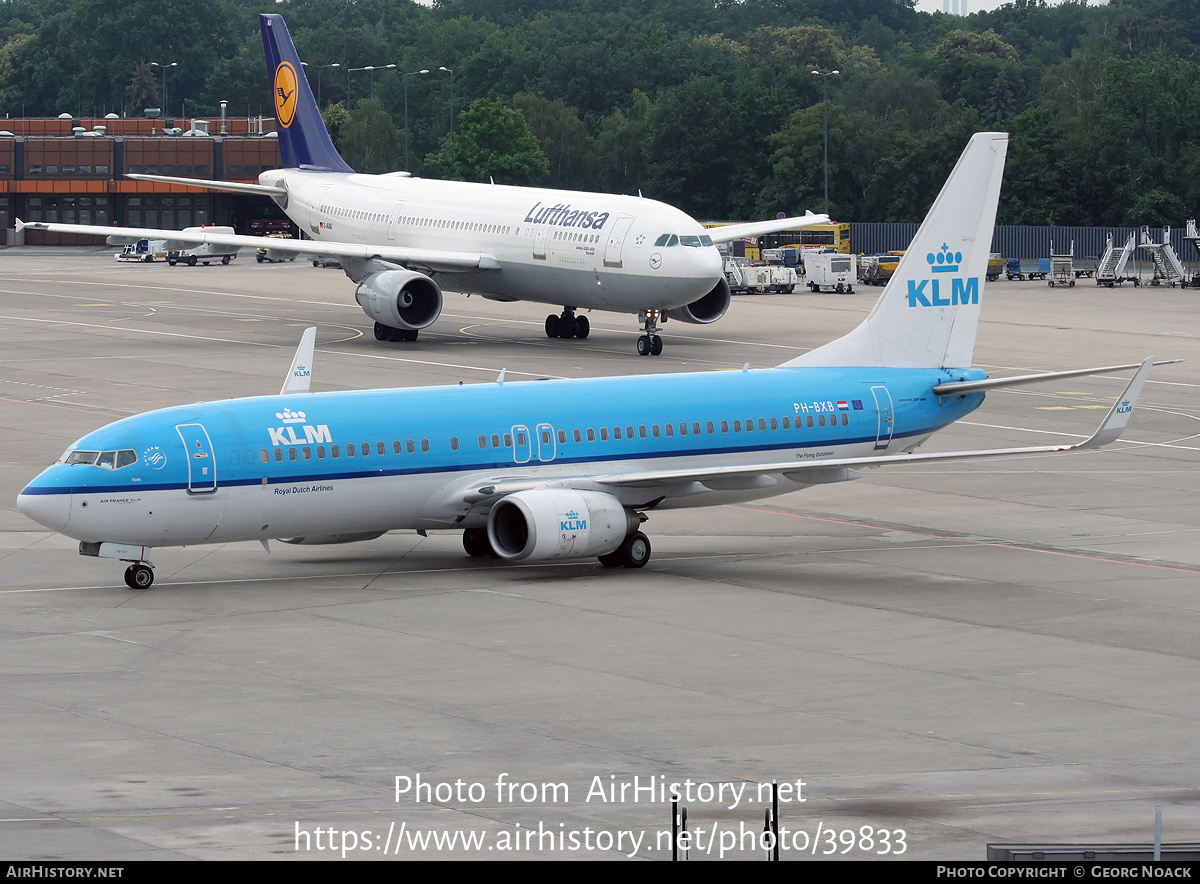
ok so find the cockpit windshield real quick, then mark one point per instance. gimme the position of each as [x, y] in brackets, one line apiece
[109, 460]
[692, 242]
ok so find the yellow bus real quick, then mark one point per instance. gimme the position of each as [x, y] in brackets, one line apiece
[818, 237]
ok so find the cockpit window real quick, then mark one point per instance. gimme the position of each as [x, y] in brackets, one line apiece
[109, 460]
[692, 242]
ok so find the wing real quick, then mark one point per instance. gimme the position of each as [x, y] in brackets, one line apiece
[652, 486]
[434, 259]
[730, 232]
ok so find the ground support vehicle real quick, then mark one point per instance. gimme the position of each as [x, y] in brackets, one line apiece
[1017, 270]
[746, 277]
[202, 254]
[143, 251]
[1062, 267]
[1111, 269]
[831, 271]
[272, 257]
[995, 266]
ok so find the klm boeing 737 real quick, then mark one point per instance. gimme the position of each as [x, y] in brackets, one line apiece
[396, 235]
[565, 469]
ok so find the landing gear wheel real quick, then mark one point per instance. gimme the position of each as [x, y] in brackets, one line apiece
[656, 345]
[567, 327]
[582, 327]
[644, 345]
[635, 550]
[139, 576]
[552, 326]
[476, 543]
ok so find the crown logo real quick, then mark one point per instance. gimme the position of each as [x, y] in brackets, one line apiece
[290, 417]
[944, 261]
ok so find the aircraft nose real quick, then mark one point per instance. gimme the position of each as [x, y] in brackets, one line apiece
[710, 265]
[51, 510]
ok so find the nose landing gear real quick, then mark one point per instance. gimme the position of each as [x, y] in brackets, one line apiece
[650, 344]
[139, 575]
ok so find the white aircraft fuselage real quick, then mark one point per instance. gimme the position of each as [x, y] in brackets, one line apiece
[587, 250]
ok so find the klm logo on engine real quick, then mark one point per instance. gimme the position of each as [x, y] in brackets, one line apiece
[286, 435]
[930, 293]
[572, 522]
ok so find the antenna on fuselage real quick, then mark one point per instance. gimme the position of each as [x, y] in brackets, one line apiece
[299, 375]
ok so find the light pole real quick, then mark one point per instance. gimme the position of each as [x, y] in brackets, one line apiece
[405, 78]
[321, 67]
[372, 68]
[826, 77]
[165, 107]
[451, 72]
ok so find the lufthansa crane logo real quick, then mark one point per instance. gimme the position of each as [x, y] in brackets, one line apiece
[286, 90]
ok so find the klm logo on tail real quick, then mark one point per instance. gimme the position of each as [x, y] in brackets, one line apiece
[928, 292]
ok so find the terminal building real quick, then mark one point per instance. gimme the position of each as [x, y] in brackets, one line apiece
[72, 171]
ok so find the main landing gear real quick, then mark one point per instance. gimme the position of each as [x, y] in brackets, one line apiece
[650, 344]
[568, 325]
[139, 575]
[387, 333]
[634, 552]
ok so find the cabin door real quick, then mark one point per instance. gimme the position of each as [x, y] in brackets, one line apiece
[202, 467]
[883, 408]
[616, 239]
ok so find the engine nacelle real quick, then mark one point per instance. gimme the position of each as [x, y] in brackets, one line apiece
[400, 298]
[322, 539]
[558, 523]
[708, 309]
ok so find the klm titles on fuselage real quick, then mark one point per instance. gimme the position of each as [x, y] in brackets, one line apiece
[928, 292]
[559, 215]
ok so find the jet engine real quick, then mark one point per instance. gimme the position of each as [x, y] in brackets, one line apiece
[321, 539]
[402, 299]
[558, 523]
[704, 310]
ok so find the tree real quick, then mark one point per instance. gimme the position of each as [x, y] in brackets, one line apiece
[492, 142]
[370, 141]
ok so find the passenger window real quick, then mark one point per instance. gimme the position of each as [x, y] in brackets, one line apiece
[424, 444]
[263, 456]
[278, 455]
[307, 453]
[483, 441]
[412, 449]
[454, 443]
[495, 440]
[366, 449]
[379, 449]
[395, 446]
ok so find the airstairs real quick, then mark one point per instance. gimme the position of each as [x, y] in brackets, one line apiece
[1167, 268]
[1111, 269]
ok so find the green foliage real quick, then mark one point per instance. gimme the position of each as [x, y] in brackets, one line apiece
[492, 142]
[706, 104]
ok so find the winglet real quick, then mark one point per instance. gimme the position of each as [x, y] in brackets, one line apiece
[300, 374]
[1118, 416]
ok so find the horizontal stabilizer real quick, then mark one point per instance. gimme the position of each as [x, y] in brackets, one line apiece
[958, 388]
[232, 186]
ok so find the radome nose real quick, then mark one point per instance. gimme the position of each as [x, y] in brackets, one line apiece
[51, 510]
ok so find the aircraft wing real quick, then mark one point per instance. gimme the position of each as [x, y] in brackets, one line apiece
[435, 259]
[730, 232]
[684, 482]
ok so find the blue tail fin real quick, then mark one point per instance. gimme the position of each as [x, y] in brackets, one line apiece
[303, 140]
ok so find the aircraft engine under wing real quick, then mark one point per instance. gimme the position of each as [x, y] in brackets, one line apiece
[401, 299]
[558, 523]
[708, 309]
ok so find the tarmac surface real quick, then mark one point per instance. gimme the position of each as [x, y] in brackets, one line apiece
[945, 656]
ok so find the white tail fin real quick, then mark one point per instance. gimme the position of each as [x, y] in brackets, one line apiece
[299, 376]
[928, 314]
